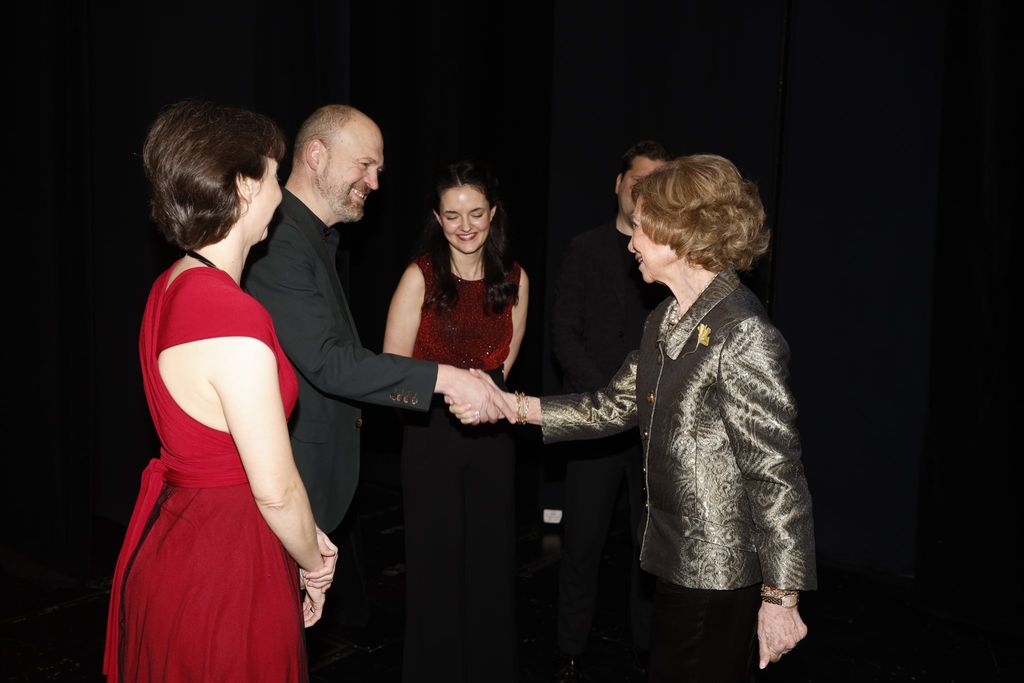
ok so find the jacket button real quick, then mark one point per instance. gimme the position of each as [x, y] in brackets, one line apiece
[650, 397]
[644, 433]
[359, 423]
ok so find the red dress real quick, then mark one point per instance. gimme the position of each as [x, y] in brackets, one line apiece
[203, 589]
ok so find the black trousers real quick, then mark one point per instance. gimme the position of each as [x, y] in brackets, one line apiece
[459, 486]
[349, 605]
[591, 490]
[704, 636]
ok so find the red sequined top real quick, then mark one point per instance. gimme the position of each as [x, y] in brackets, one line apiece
[464, 336]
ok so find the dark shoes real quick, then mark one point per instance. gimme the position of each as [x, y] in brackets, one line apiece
[571, 672]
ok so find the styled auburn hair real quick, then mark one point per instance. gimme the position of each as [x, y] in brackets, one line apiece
[705, 210]
[194, 155]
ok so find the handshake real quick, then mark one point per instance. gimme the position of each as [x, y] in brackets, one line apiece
[473, 397]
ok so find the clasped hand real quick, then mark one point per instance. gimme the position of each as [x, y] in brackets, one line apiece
[478, 399]
[316, 582]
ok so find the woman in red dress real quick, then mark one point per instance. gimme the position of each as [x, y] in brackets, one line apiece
[222, 541]
[462, 301]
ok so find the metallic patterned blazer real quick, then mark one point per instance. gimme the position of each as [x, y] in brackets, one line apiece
[727, 500]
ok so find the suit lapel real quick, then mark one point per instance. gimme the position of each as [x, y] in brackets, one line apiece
[311, 227]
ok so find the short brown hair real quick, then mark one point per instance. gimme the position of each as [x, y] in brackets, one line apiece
[705, 210]
[650, 149]
[195, 152]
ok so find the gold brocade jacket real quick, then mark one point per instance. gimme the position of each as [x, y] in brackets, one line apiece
[727, 500]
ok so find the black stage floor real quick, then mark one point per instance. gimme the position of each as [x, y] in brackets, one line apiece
[862, 628]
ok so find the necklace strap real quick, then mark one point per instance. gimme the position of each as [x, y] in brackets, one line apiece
[199, 257]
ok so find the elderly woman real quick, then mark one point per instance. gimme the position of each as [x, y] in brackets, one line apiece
[727, 530]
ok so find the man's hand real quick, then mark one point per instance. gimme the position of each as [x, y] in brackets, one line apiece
[779, 629]
[467, 414]
[473, 398]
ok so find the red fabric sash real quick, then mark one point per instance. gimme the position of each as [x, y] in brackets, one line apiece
[149, 492]
[153, 479]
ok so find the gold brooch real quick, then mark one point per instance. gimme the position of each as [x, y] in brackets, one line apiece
[703, 334]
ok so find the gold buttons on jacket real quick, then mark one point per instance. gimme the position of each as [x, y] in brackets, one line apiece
[650, 397]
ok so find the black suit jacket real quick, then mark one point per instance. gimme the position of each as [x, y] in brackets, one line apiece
[600, 305]
[294, 277]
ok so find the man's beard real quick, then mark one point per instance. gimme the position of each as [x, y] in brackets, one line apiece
[339, 198]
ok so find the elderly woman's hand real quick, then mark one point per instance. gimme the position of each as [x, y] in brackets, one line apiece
[463, 412]
[779, 629]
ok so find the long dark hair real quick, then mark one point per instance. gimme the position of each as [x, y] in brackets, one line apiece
[443, 293]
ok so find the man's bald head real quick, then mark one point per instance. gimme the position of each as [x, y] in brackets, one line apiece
[338, 155]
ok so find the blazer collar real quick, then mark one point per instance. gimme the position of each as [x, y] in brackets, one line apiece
[309, 224]
[675, 338]
[311, 227]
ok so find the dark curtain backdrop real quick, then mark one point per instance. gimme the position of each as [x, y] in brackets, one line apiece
[970, 476]
[447, 81]
[855, 262]
[94, 75]
[884, 137]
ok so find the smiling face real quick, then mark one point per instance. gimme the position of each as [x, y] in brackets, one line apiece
[354, 160]
[654, 260]
[465, 217]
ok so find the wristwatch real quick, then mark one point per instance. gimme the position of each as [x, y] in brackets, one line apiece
[779, 596]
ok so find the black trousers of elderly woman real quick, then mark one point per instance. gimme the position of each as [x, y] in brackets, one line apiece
[458, 484]
[704, 636]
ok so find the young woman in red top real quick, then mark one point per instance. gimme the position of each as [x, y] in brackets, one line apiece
[462, 301]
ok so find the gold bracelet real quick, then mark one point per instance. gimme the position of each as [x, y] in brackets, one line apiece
[522, 408]
[779, 596]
